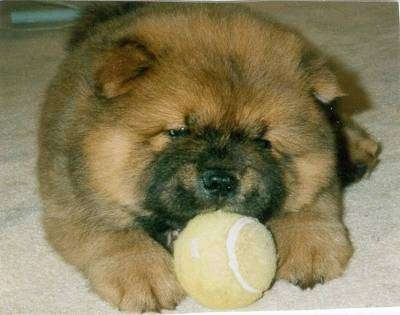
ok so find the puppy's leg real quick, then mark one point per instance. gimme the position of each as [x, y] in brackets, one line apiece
[126, 268]
[362, 149]
[312, 244]
[357, 151]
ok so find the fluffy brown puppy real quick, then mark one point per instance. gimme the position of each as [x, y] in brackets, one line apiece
[163, 111]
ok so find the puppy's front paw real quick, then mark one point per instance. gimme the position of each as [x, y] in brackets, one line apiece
[137, 282]
[311, 255]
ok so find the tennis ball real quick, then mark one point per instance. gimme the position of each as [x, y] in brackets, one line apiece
[224, 260]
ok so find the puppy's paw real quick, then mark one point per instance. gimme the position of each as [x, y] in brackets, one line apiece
[363, 151]
[312, 255]
[137, 282]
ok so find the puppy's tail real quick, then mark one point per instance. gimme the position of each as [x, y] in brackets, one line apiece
[95, 14]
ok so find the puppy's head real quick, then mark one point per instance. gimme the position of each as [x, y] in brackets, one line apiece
[205, 109]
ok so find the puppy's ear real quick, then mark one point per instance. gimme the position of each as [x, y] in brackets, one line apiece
[322, 81]
[115, 68]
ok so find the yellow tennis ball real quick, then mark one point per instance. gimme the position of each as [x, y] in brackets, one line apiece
[225, 260]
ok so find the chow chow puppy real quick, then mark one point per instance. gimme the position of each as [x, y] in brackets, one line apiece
[162, 111]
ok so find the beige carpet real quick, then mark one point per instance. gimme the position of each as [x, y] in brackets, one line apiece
[363, 36]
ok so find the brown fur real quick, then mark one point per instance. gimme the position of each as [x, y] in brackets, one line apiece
[106, 116]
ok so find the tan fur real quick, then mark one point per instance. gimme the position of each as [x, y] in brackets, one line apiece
[137, 275]
[106, 116]
[312, 174]
[188, 176]
[108, 153]
[311, 248]
[248, 180]
[363, 149]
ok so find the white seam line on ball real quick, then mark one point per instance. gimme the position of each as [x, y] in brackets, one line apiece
[194, 248]
[233, 234]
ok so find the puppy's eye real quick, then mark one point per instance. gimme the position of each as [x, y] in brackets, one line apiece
[181, 132]
[263, 143]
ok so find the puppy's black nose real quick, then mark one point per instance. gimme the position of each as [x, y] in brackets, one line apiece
[217, 182]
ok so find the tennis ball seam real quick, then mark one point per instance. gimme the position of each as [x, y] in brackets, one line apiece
[233, 263]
